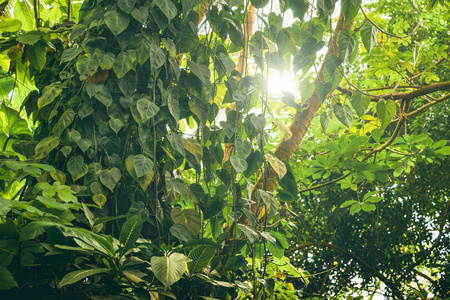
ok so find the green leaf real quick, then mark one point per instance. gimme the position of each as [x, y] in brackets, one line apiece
[127, 84]
[360, 103]
[142, 48]
[174, 107]
[129, 233]
[385, 111]
[260, 3]
[180, 232]
[368, 206]
[45, 146]
[200, 258]
[349, 10]
[322, 90]
[115, 124]
[268, 200]
[348, 203]
[124, 62]
[285, 42]
[311, 46]
[344, 114]
[140, 14]
[49, 94]
[76, 167]
[24, 13]
[76, 276]
[189, 218]
[169, 269]
[239, 164]
[347, 43]
[285, 196]
[116, 21]
[126, 5]
[108, 246]
[110, 177]
[194, 147]
[199, 70]
[146, 109]
[306, 89]
[10, 24]
[7, 281]
[37, 55]
[243, 148]
[369, 36]
[142, 165]
[250, 233]
[200, 109]
[259, 122]
[277, 165]
[157, 57]
[64, 121]
[35, 229]
[324, 120]
[29, 39]
[167, 7]
[332, 62]
[355, 208]
[176, 142]
[70, 54]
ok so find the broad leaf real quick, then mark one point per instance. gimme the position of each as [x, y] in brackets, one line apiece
[268, 200]
[369, 36]
[200, 258]
[169, 269]
[360, 103]
[45, 146]
[250, 233]
[146, 109]
[76, 276]
[239, 164]
[49, 94]
[167, 7]
[189, 218]
[117, 21]
[7, 281]
[37, 55]
[76, 167]
[322, 90]
[344, 114]
[124, 62]
[126, 5]
[10, 25]
[277, 165]
[347, 43]
[201, 71]
[385, 111]
[142, 165]
[64, 121]
[129, 233]
[110, 177]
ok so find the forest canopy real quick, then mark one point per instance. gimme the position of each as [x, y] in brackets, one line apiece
[233, 149]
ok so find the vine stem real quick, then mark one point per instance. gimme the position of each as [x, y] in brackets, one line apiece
[36, 13]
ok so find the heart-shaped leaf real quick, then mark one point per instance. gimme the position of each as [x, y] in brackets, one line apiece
[169, 269]
[116, 21]
[110, 177]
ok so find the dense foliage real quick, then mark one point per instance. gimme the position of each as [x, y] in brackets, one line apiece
[143, 155]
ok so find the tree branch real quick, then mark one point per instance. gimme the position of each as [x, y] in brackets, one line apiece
[425, 90]
[422, 108]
